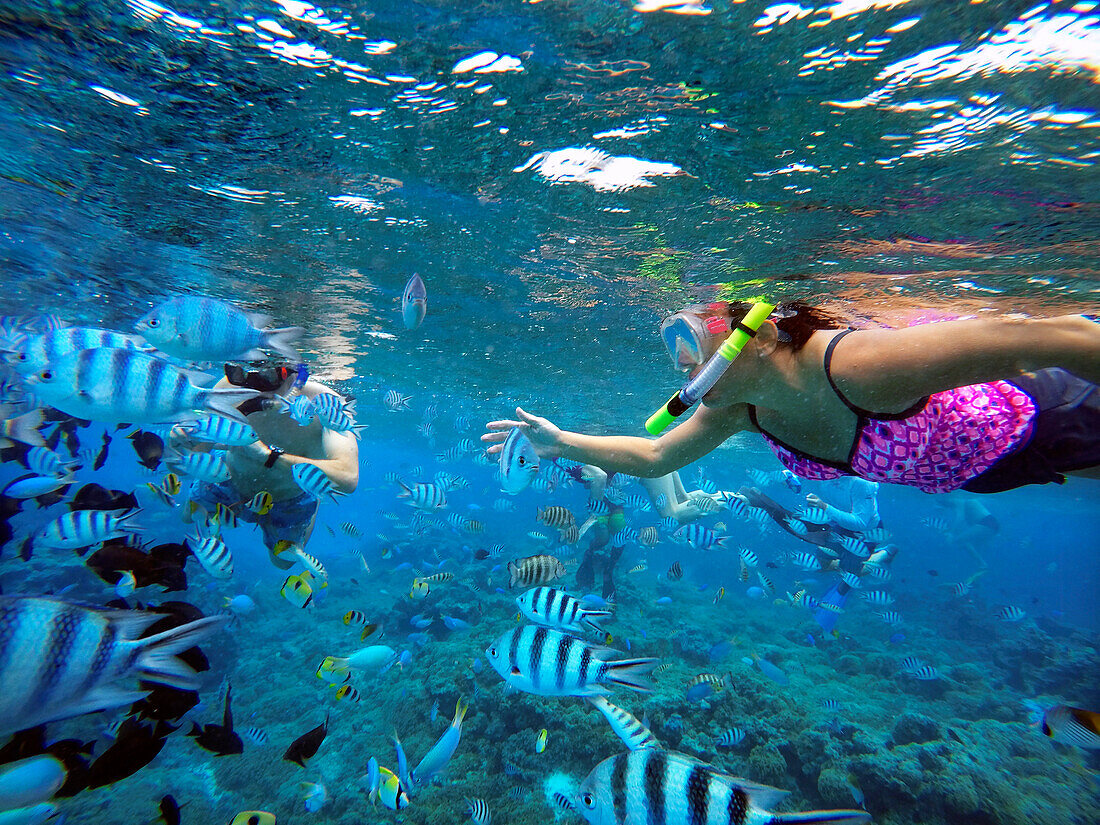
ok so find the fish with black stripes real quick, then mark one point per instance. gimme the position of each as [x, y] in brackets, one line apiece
[653, 785]
[61, 659]
[548, 662]
[557, 609]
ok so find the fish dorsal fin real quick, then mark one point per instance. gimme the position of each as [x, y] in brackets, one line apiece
[259, 319]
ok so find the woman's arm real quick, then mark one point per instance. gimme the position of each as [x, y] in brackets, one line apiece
[888, 370]
[703, 432]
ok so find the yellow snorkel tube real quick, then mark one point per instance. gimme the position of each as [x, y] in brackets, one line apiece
[701, 384]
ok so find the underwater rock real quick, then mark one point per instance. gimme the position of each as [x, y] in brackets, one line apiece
[914, 727]
[834, 789]
[767, 765]
[960, 798]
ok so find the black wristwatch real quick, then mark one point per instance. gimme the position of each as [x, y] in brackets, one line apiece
[273, 456]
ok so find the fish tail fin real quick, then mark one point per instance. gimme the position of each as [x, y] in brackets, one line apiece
[820, 817]
[592, 617]
[460, 713]
[24, 428]
[157, 661]
[279, 340]
[225, 401]
[513, 574]
[632, 673]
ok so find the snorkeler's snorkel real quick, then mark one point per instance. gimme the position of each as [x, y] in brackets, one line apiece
[715, 367]
[301, 377]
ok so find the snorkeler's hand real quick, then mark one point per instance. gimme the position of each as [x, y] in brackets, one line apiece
[814, 501]
[544, 436]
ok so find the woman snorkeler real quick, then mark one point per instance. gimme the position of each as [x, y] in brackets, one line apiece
[981, 405]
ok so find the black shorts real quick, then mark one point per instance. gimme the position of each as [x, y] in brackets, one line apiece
[1065, 435]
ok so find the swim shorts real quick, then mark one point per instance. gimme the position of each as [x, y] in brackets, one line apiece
[1065, 435]
[287, 520]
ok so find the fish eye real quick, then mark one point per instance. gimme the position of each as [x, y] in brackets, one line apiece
[21, 356]
[152, 322]
[493, 652]
[46, 375]
[588, 801]
[522, 461]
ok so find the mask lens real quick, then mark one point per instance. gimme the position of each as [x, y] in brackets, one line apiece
[682, 341]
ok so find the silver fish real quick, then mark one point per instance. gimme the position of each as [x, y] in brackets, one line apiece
[61, 659]
[652, 785]
[550, 663]
[205, 329]
[34, 353]
[117, 385]
[519, 463]
[635, 735]
[557, 609]
[414, 302]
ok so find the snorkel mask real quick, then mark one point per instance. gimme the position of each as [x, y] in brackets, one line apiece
[684, 334]
[266, 377]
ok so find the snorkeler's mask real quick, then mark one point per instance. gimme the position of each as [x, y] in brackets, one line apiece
[684, 335]
[265, 377]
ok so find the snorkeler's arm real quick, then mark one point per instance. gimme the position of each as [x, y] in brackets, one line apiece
[888, 370]
[707, 428]
[341, 461]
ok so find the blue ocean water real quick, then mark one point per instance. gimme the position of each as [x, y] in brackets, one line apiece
[562, 175]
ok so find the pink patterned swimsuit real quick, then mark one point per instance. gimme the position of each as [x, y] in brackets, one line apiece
[936, 446]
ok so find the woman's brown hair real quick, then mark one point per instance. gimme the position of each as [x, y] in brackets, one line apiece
[796, 320]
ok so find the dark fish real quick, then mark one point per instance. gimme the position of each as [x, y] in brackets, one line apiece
[136, 745]
[933, 573]
[101, 456]
[149, 448]
[676, 572]
[772, 565]
[221, 740]
[169, 810]
[9, 507]
[163, 564]
[481, 554]
[163, 702]
[97, 497]
[307, 744]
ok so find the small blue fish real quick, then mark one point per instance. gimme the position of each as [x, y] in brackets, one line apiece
[453, 623]
[434, 712]
[897, 638]
[771, 671]
[810, 640]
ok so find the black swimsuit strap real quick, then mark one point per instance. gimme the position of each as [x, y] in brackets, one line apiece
[862, 413]
[859, 411]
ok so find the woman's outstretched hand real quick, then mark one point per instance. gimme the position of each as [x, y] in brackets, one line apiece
[545, 437]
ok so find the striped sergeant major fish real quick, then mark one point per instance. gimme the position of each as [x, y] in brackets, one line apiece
[635, 735]
[213, 554]
[83, 528]
[314, 481]
[394, 401]
[34, 353]
[423, 495]
[701, 538]
[61, 659]
[539, 569]
[209, 467]
[519, 463]
[478, 811]
[300, 409]
[548, 662]
[113, 385]
[653, 785]
[196, 328]
[557, 609]
[878, 598]
[217, 429]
